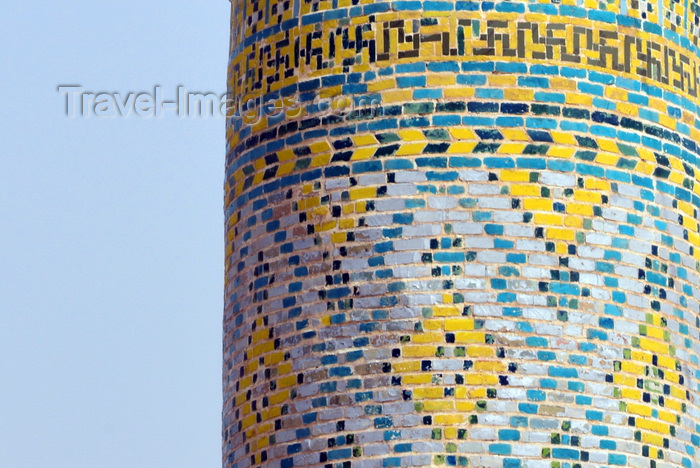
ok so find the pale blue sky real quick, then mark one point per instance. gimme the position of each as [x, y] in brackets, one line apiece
[111, 235]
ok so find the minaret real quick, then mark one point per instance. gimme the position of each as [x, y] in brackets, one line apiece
[462, 233]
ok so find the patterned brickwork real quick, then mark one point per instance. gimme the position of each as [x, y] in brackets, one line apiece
[463, 234]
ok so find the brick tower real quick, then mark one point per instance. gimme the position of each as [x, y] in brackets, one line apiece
[462, 233]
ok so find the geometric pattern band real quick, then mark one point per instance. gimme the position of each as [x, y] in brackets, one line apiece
[598, 40]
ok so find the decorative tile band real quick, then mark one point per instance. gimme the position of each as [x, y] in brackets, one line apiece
[327, 43]
[495, 264]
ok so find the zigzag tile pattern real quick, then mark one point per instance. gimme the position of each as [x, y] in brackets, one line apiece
[463, 234]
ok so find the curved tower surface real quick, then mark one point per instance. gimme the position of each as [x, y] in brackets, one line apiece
[463, 233]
